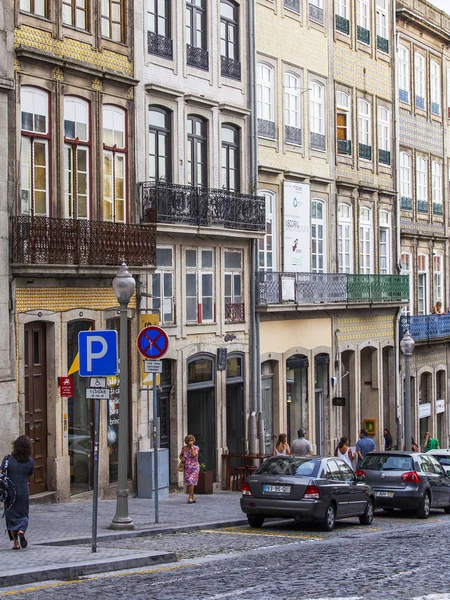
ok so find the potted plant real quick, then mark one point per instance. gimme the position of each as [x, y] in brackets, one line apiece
[205, 481]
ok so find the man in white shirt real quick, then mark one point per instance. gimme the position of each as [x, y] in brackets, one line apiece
[301, 446]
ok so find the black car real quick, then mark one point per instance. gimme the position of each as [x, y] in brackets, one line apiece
[322, 489]
[407, 480]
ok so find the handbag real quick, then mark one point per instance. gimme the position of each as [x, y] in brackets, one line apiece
[7, 489]
[181, 466]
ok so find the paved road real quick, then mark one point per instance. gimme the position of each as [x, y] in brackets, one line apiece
[397, 557]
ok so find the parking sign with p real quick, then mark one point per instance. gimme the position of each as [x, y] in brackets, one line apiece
[98, 353]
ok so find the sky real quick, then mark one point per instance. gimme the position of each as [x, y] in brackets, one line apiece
[442, 4]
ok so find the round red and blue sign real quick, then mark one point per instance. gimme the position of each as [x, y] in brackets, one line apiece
[152, 342]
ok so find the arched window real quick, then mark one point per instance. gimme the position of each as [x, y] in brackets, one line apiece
[76, 158]
[403, 73]
[365, 241]
[318, 241]
[405, 181]
[197, 152]
[230, 158]
[34, 158]
[385, 242]
[229, 32]
[114, 164]
[292, 108]
[345, 238]
[197, 55]
[343, 123]
[267, 246]
[265, 110]
[317, 115]
[159, 127]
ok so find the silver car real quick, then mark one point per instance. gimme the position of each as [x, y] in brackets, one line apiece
[310, 487]
[443, 457]
[407, 480]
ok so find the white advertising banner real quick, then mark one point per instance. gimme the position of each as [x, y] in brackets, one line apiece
[297, 227]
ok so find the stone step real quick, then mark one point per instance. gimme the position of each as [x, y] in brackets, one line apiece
[43, 498]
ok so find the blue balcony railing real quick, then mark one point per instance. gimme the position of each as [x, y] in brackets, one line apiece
[426, 327]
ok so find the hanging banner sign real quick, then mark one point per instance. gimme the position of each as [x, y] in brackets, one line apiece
[297, 227]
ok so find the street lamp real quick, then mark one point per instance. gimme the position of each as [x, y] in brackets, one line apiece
[407, 347]
[123, 286]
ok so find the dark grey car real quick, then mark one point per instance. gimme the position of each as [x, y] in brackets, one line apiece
[310, 487]
[407, 480]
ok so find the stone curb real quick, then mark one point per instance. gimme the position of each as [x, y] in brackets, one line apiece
[86, 567]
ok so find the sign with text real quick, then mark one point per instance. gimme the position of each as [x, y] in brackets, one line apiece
[97, 394]
[297, 227]
[152, 366]
[66, 387]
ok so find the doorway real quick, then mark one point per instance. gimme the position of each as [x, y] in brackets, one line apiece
[36, 402]
[267, 405]
[235, 405]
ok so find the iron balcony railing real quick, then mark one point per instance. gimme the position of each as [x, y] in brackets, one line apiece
[234, 312]
[293, 135]
[203, 207]
[426, 327]
[365, 152]
[420, 102]
[320, 288]
[403, 95]
[316, 13]
[197, 57]
[342, 24]
[344, 147]
[159, 45]
[384, 157]
[317, 141]
[438, 208]
[405, 203]
[230, 68]
[293, 5]
[436, 108]
[266, 129]
[422, 206]
[52, 241]
[383, 44]
[363, 34]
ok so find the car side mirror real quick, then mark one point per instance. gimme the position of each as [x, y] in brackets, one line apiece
[360, 477]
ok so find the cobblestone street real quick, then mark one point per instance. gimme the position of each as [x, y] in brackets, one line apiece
[396, 557]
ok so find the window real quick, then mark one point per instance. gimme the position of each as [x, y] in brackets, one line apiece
[403, 73]
[197, 55]
[265, 100]
[230, 158]
[234, 307]
[382, 26]
[406, 269]
[199, 285]
[422, 192]
[76, 158]
[317, 115]
[437, 278]
[436, 178]
[435, 84]
[75, 13]
[448, 93]
[114, 164]
[292, 108]
[266, 246]
[342, 16]
[384, 136]
[35, 7]
[34, 159]
[113, 20]
[229, 33]
[343, 122]
[160, 167]
[345, 241]
[158, 17]
[162, 285]
[419, 72]
[405, 181]
[318, 242]
[197, 160]
[316, 10]
[364, 130]
[363, 21]
[365, 241]
[422, 284]
[385, 242]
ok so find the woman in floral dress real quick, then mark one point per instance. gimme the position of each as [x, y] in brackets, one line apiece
[189, 455]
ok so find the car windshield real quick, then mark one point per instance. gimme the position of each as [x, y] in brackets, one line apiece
[284, 465]
[443, 460]
[386, 462]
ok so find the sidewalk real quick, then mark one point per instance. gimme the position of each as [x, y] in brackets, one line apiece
[59, 535]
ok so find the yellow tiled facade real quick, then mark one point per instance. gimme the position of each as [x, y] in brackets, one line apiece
[374, 329]
[62, 299]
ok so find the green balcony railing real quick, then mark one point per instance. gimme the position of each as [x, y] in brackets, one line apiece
[383, 44]
[405, 203]
[437, 208]
[384, 157]
[422, 206]
[363, 34]
[378, 288]
[342, 24]
[365, 152]
[344, 147]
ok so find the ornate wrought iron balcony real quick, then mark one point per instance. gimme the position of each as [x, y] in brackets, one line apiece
[197, 57]
[266, 129]
[426, 327]
[438, 208]
[327, 288]
[436, 108]
[51, 241]
[420, 102]
[317, 141]
[383, 44]
[316, 13]
[422, 206]
[384, 157]
[293, 5]
[363, 34]
[342, 25]
[365, 152]
[230, 68]
[344, 147]
[159, 45]
[403, 95]
[293, 135]
[235, 313]
[203, 207]
[405, 203]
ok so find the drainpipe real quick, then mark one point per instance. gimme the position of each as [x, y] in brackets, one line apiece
[254, 427]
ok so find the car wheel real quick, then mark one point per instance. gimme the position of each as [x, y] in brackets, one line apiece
[255, 521]
[423, 512]
[367, 517]
[329, 518]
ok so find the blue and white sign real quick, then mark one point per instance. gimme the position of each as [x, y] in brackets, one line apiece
[98, 353]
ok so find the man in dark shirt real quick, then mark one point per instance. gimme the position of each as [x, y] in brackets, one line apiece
[364, 446]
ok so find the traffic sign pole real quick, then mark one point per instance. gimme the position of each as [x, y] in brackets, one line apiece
[96, 453]
[155, 447]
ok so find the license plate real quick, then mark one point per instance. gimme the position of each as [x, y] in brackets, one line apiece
[280, 489]
[384, 494]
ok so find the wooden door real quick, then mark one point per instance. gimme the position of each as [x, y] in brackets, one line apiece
[36, 402]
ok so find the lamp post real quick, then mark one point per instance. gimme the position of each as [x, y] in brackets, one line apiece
[123, 286]
[407, 347]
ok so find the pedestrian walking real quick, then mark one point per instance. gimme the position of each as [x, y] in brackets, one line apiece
[364, 446]
[18, 467]
[344, 452]
[430, 443]
[189, 456]
[281, 447]
[387, 439]
[301, 446]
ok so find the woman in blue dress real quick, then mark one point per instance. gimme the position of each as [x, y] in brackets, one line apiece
[20, 467]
